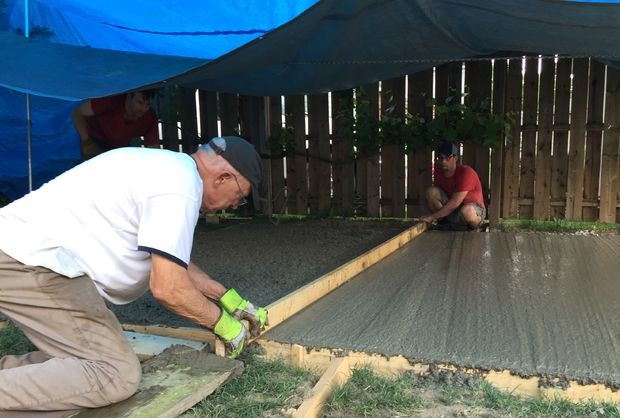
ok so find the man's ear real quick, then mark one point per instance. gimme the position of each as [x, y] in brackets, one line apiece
[222, 177]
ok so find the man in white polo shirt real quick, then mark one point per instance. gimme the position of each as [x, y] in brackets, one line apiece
[112, 228]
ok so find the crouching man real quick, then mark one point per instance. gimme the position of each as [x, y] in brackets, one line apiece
[455, 200]
[112, 228]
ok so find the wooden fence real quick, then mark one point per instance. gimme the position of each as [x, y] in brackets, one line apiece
[562, 162]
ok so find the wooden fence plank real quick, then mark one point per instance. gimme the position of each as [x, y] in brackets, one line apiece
[448, 81]
[229, 117]
[610, 164]
[344, 165]
[169, 117]
[419, 161]
[296, 172]
[528, 136]
[208, 115]
[499, 107]
[576, 155]
[542, 195]
[319, 154]
[478, 87]
[393, 155]
[510, 165]
[559, 160]
[278, 187]
[253, 127]
[189, 118]
[368, 166]
[596, 97]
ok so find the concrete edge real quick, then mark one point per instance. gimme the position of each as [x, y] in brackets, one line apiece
[504, 380]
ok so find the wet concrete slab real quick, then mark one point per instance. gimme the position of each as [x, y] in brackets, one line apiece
[531, 303]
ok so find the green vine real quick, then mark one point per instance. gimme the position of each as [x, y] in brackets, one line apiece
[453, 122]
[282, 140]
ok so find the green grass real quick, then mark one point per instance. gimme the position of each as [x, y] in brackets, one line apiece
[13, 341]
[263, 386]
[269, 388]
[556, 225]
[369, 395]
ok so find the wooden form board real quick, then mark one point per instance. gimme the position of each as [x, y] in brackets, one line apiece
[336, 368]
[289, 305]
[294, 302]
[172, 382]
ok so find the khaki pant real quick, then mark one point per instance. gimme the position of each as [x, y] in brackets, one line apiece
[84, 359]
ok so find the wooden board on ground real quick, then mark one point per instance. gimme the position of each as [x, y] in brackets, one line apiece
[146, 346]
[172, 382]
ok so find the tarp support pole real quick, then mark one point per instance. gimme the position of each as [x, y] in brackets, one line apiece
[28, 122]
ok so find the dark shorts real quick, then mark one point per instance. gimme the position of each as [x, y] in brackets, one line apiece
[455, 217]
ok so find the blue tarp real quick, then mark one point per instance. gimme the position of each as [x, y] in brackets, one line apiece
[79, 49]
[272, 47]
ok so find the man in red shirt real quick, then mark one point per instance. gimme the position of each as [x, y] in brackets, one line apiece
[114, 122]
[456, 199]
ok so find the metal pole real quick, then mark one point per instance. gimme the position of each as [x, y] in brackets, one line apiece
[28, 121]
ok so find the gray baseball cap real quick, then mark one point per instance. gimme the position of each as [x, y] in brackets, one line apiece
[243, 157]
[447, 148]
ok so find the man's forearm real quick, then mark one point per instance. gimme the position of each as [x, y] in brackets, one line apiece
[81, 126]
[209, 287]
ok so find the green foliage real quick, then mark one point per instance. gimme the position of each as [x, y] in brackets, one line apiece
[456, 122]
[13, 341]
[358, 123]
[282, 139]
[369, 395]
[453, 122]
[556, 225]
[405, 130]
[263, 386]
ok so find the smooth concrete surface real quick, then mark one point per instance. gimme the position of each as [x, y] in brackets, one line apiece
[530, 303]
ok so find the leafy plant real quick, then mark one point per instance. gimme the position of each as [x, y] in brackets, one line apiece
[282, 139]
[406, 130]
[453, 122]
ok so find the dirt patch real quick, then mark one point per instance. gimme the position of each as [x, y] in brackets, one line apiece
[265, 262]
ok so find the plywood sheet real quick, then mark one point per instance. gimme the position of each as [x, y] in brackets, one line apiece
[172, 382]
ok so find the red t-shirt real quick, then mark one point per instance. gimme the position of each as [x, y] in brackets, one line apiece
[464, 179]
[109, 125]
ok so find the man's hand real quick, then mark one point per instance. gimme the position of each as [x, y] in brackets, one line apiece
[243, 309]
[232, 332]
[427, 219]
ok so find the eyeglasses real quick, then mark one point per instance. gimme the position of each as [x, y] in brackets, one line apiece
[242, 199]
[441, 157]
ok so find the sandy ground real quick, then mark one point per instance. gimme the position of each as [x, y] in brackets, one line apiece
[265, 262]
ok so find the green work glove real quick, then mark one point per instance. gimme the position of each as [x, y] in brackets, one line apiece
[232, 332]
[240, 308]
